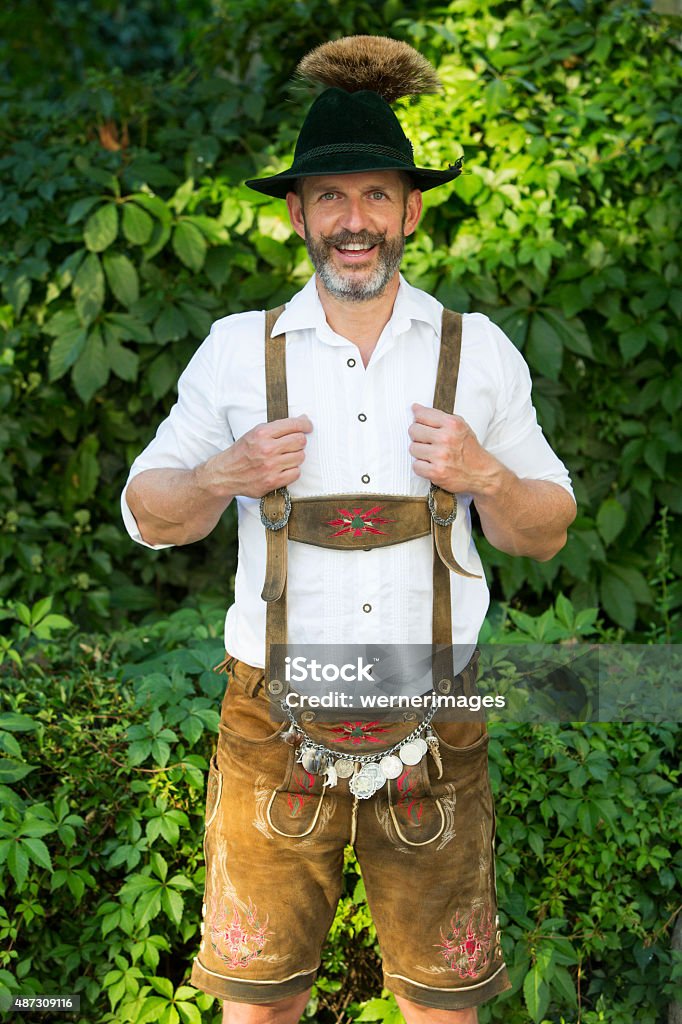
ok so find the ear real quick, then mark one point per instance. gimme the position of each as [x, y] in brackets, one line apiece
[413, 211]
[295, 208]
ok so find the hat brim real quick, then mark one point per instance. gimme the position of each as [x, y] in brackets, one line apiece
[278, 185]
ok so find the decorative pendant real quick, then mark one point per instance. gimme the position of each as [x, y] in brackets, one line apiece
[410, 753]
[344, 768]
[391, 766]
[331, 776]
[292, 736]
[363, 784]
[313, 760]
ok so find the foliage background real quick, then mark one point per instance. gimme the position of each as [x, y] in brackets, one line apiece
[127, 130]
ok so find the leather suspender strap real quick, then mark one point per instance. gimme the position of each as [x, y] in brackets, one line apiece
[444, 399]
[275, 588]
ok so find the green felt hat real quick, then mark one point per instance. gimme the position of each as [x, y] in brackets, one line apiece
[351, 126]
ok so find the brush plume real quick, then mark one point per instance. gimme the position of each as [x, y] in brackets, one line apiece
[377, 63]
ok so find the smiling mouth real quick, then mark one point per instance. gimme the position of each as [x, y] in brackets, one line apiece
[354, 251]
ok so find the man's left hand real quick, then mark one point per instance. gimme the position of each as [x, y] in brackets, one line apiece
[446, 451]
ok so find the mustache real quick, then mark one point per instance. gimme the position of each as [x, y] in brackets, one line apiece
[363, 238]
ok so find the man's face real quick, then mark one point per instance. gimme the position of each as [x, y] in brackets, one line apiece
[354, 227]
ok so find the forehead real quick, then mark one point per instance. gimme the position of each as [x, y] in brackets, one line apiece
[359, 181]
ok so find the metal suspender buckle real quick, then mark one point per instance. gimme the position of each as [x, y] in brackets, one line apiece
[441, 520]
[276, 524]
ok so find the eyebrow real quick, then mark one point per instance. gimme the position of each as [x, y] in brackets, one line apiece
[321, 189]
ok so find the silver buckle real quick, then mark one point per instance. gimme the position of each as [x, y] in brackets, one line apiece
[276, 524]
[432, 508]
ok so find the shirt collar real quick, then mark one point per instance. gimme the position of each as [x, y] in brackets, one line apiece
[304, 312]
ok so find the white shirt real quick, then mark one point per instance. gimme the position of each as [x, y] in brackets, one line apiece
[221, 395]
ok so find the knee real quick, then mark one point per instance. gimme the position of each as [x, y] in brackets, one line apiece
[281, 1011]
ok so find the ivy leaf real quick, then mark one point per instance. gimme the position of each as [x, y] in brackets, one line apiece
[88, 288]
[617, 600]
[101, 228]
[189, 245]
[122, 278]
[17, 290]
[171, 325]
[544, 349]
[173, 904]
[122, 361]
[38, 852]
[80, 208]
[12, 770]
[137, 224]
[91, 371]
[610, 519]
[65, 351]
[571, 332]
[536, 994]
[162, 374]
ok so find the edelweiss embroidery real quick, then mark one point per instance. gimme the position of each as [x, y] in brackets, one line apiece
[236, 934]
[468, 945]
[356, 732]
[358, 522]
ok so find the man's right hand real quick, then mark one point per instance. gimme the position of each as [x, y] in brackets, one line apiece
[266, 457]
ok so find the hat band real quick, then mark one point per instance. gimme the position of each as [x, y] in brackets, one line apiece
[355, 147]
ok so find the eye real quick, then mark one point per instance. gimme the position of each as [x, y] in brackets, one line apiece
[328, 195]
[378, 194]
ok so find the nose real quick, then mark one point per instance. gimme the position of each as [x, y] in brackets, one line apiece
[354, 218]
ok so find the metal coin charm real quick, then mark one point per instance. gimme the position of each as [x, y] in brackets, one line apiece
[422, 744]
[373, 771]
[344, 768]
[363, 785]
[410, 753]
[391, 766]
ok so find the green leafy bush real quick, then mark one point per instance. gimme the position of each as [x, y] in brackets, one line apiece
[127, 231]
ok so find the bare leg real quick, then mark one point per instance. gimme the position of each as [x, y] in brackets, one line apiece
[284, 1011]
[416, 1014]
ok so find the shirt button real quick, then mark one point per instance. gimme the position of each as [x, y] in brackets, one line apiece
[365, 478]
[350, 362]
[366, 607]
[362, 417]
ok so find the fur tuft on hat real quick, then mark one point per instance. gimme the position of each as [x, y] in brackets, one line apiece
[375, 63]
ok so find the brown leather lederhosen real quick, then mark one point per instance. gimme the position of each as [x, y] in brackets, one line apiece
[306, 520]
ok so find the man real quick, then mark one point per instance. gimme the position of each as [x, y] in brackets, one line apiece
[362, 355]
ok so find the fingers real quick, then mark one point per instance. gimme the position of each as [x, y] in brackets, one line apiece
[425, 452]
[290, 425]
[429, 417]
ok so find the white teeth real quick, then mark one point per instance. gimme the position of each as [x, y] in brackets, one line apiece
[354, 248]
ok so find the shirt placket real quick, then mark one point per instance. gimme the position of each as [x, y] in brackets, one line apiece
[369, 471]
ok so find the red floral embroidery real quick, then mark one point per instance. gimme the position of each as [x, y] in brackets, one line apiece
[358, 522]
[356, 732]
[237, 939]
[412, 808]
[468, 945]
[305, 782]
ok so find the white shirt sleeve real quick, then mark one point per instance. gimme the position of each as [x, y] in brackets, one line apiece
[195, 429]
[514, 435]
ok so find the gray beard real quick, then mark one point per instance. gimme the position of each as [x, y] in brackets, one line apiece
[348, 284]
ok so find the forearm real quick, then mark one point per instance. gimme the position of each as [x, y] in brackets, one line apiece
[525, 517]
[175, 506]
